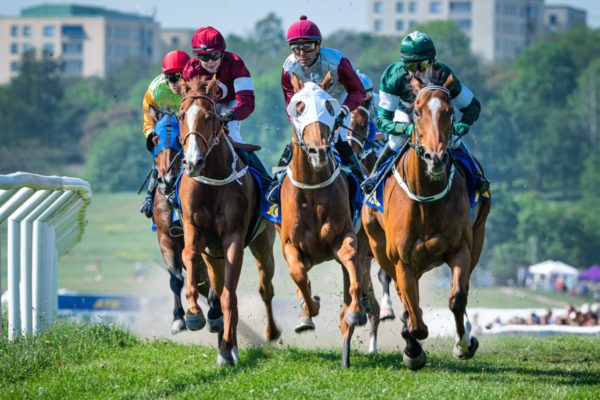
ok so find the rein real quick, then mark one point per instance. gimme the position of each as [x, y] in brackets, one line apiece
[211, 143]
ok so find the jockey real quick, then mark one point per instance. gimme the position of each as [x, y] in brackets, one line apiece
[310, 63]
[237, 91]
[417, 55]
[368, 85]
[164, 95]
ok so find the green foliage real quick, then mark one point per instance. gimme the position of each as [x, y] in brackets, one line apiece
[118, 159]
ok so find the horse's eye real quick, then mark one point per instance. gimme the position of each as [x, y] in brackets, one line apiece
[417, 113]
[181, 115]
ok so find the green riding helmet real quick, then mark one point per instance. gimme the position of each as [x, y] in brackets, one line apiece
[416, 46]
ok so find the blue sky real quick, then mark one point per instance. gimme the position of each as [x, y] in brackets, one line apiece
[235, 16]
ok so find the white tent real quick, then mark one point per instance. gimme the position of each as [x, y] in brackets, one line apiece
[550, 267]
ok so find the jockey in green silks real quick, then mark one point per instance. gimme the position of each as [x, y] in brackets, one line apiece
[417, 55]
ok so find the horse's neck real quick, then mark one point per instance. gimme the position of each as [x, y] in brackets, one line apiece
[304, 172]
[218, 162]
[414, 171]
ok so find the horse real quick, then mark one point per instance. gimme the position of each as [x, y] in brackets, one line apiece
[219, 203]
[316, 224]
[358, 137]
[167, 152]
[426, 220]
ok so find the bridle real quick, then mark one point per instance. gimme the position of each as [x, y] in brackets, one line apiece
[356, 135]
[215, 134]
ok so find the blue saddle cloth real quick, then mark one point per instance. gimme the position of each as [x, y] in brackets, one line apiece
[460, 159]
[271, 210]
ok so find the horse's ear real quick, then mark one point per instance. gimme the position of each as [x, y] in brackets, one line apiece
[416, 84]
[211, 87]
[326, 81]
[296, 83]
[184, 87]
[449, 82]
[153, 113]
[368, 98]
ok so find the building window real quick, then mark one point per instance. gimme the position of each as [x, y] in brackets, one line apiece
[377, 25]
[26, 30]
[14, 48]
[73, 31]
[49, 30]
[72, 66]
[412, 7]
[48, 48]
[27, 47]
[460, 6]
[14, 66]
[435, 7]
[464, 25]
[399, 25]
[399, 7]
[377, 7]
[14, 31]
[411, 24]
[72, 48]
[553, 21]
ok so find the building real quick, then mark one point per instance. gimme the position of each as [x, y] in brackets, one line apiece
[498, 29]
[176, 38]
[563, 18]
[89, 41]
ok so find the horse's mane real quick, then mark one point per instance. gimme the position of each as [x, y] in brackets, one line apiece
[432, 76]
[202, 85]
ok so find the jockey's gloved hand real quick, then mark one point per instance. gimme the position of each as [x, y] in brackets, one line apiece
[408, 129]
[339, 120]
[227, 116]
[461, 129]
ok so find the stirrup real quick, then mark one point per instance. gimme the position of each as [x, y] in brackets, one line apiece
[146, 208]
[482, 185]
[369, 184]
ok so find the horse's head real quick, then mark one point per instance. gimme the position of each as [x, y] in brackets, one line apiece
[313, 113]
[200, 125]
[432, 116]
[359, 125]
[166, 148]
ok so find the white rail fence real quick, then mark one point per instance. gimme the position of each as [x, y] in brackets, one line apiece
[46, 218]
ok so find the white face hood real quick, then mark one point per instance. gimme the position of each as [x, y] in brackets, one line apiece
[318, 106]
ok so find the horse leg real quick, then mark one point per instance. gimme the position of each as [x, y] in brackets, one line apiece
[368, 293]
[234, 253]
[479, 232]
[262, 250]
[387, 311]
[407, 286]
[347, 329]
[465, 345]
[194, 318]
[298, 272]
[413, 357]
[346, 255]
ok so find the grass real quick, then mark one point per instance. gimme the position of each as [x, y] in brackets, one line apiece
[72, 361]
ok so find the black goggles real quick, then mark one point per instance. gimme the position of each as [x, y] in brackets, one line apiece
[209, 56]
[173, 78]
[417, 66]
[307, 47]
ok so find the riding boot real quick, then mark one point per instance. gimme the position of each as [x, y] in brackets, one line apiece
[369, 184]
[482, 184]
[284, 160]
[349, 158]
[146, 207]
[286, 156]
[252, 160]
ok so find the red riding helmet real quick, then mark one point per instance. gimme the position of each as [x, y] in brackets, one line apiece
[303, 29]
[174, 61]
[207, 40]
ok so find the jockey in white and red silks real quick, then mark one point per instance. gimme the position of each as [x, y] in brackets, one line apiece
[236, 101]
[310, 63]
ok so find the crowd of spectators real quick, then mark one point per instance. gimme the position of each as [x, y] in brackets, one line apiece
[586, 315]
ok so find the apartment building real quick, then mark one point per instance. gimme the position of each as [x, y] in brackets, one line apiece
[497, 29]
[89, 41]
[176, 38]
[563, 18]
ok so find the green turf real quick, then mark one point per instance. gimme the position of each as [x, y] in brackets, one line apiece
[86, 361]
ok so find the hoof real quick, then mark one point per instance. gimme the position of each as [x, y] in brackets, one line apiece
[272, 334]
[235, 355]
[215, 325]
[365, 303]
[195, 322]
[177, 326]
[386, 313]
[356, 318]
[458, 353]
[414, 363]
[304, 324]
[225, 360]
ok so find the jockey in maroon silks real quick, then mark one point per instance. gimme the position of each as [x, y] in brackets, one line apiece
[236, 100]
[310, 63]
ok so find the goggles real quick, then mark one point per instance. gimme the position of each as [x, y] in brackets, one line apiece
[209, 56]
[173, 78]
[417, 66]
[306, 47]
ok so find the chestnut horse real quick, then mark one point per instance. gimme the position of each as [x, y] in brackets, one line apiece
[219, 202]
[426, 221]
[316, 224]
[358, 138]
[167, 152]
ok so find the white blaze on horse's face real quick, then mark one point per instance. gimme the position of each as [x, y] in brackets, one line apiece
[315, 101]
[434, 105]
[192, 153]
